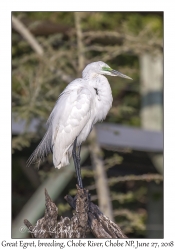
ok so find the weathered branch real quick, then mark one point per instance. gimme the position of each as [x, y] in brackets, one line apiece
[27, 35]
[87, 216]
[80, 47]
[100, 177]
[144, 177]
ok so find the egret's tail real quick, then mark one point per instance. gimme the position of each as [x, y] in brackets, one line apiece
[43, 149]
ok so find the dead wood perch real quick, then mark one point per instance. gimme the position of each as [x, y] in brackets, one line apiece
[87, 217]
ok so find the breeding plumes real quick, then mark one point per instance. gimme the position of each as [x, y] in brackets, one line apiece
[84, 102]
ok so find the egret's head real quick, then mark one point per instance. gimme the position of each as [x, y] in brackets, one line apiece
[102, 69]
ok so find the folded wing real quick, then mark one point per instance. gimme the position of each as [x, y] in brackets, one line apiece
[69, 116]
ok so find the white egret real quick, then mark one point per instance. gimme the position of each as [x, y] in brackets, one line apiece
[84, 102]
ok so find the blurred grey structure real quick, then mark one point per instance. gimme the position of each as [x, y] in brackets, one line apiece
[151, 72]
[114, 136]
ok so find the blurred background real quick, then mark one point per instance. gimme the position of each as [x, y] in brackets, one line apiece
[122, 160]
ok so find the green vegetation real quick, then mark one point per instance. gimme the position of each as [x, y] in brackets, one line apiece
[117, 38]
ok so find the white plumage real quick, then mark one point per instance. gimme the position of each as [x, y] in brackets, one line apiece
[84, 102]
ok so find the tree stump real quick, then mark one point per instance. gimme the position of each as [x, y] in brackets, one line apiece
[87, 217]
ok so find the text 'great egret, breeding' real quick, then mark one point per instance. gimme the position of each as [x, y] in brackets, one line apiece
[84, 102]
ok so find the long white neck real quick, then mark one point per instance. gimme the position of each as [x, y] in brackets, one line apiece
[103, 99]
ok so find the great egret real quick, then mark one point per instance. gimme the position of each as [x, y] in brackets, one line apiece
[84, 102]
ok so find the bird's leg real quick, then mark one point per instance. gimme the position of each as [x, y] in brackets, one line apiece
[74, 158]
[78, 155]
[77, 163]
